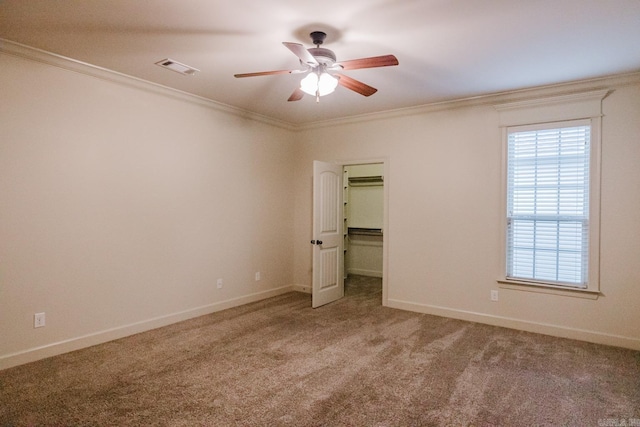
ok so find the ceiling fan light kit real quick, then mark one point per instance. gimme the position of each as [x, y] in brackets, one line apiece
[319, 85]
[319, 62]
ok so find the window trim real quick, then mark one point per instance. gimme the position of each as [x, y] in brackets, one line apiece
[540, 287]
[550, 112]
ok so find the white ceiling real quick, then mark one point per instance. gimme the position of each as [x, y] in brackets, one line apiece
[447, 49]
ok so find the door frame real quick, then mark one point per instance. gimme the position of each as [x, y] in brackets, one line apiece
[385, 219]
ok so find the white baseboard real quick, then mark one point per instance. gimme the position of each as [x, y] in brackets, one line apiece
[77, 343]
[302, 288]
[523, 325]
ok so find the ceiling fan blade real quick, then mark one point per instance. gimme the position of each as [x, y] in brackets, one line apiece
[296, 95]
[302, 53]
[265, 73]
[355, 85]
[372, 62]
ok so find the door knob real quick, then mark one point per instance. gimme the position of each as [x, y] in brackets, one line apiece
[316, 242]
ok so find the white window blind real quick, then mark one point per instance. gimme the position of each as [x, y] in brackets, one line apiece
[548, 203]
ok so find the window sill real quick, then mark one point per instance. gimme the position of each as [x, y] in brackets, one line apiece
[548, 289]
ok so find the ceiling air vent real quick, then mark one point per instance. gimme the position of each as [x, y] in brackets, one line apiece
[177, 67]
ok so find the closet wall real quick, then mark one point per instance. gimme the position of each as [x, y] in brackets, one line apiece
[364, 195]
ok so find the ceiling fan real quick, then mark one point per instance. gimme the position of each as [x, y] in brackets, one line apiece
[320, 65]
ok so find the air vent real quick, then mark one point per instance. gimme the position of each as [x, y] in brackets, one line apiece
[177, 67]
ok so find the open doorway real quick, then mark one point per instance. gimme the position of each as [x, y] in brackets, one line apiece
[364, 225]
[350, 220]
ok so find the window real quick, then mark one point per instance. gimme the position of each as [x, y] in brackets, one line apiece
[551, 204]
[548, 203]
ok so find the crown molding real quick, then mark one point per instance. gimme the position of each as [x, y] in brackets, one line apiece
[521, 95]
[563, 92]
[595, 95]
[38, 55]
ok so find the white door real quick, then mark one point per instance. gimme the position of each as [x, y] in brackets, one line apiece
[328, 219]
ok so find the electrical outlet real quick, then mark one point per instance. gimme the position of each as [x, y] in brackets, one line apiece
[494, 295]
[257, 276]
[38, 320]
[219, 284]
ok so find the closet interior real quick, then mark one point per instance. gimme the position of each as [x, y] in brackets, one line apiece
[363, 219]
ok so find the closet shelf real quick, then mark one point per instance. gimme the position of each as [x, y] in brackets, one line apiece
[366, 180]
[365, 231]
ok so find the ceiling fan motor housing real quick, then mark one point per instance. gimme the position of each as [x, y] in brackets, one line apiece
[323, 56]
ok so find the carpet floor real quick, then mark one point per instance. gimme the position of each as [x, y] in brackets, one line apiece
[351, 363]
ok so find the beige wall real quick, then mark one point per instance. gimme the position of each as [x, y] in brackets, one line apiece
[121, 206]
[444, 185]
